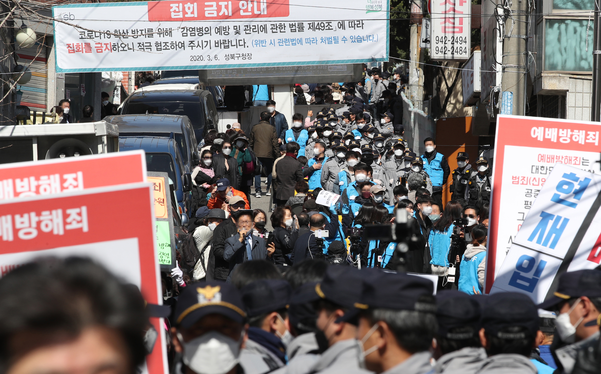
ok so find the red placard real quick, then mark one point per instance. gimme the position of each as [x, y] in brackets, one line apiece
[201, 10]
[48, 177]
[96, 223]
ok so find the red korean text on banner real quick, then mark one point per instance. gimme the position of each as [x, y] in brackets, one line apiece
[215, 10]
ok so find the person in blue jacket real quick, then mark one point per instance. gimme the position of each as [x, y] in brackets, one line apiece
[439, 242]
[278, 120]
[315, 165]
[297, 133]
[437, 167]
[473, 262]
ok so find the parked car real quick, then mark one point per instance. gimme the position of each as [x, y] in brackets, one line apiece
[175, 99]
[162, 155]
[162, 125]
[216, 91]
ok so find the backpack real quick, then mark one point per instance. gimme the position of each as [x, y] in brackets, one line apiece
[190, 254]
[200, 269]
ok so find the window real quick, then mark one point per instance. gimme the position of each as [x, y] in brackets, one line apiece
[574, 4]
[569, 45]
[162, 162]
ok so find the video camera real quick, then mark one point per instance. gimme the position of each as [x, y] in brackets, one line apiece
[404, 231]
[460, 224]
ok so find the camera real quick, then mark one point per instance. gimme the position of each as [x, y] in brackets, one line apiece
[354, 232]
[460, 224]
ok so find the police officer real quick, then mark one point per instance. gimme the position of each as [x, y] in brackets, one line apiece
[334, 297]
[380, 146]
[417, 177]
[369, 154]
[369, 133]
[437, 167]
[479, 184]
[461, 176]
[396, 323]
[332, 167]
[386, 127]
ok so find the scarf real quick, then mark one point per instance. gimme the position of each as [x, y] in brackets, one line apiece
[268, 341]
[209, 172]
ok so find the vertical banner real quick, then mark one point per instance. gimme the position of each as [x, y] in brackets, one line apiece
[163, 214]
[451, 30]
[527, 149]
[560, 233]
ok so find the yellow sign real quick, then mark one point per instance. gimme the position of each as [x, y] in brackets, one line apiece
[160, 197]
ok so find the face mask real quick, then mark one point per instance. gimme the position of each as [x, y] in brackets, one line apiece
[316, 151]
[105, 102]
[371, 136]
[398, 152]
[289, 222]
[360, 125]
[260, 225]
[340, 155]
[416, 169]
[471, 221]
[434, 217]
[333, 124]
[565, 329]
[366, 195]
[271, 109]
[363, 340]
[211, 353]
[208, 162]
[240, 145]
[347, 142]
[352, 163]
[360, 177]
[461, 164]
[429, 148]
[482, 168]
[407, 164]
[344, 122]
[385, 120]
[427, 210]
[226, 151]
[378, 199]
[298, 124]
[287, 336]
[399, 198]
[66, 111]
[379, 145]
[150, 337]
[212, 226]
[327, 133]
[314, 135]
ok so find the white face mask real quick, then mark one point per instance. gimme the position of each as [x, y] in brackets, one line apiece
[287, 336]
[407, 164]
[105, 102]
[352, 163]
[482, 168]
[211, 353]
[340, 154]
[416, 169]
[271, 109]
[399, 198]
[565, 329]
[66, 110]
[360, 177]
[316, 151]
[347, 142]
[471, 221]
[333, 124]
[212, 226]
[314, 135]
[289, 222]
[371, 135]
[379, 145]
[434, 217]
[427, 210]
[226, 151]
[298, 124]
[398, 152]
[361, 125]
[371, 350]
[461, 164]
[327, 133]
[378, 199]
[207, 163]
[429, 148]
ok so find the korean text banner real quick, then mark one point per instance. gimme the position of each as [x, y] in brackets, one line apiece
[560, 233]
[201, 34]
[526, 151]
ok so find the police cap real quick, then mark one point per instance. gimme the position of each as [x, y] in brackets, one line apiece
[575, 284]
[462, 156]
[509, 309]
[457, 309]
[266, 296]
[211, 297]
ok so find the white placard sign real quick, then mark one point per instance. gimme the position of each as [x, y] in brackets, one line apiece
[561, 233]
[327, 198]
[451, 29]
[200, 34]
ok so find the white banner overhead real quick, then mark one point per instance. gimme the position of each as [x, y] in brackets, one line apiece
[201, 34]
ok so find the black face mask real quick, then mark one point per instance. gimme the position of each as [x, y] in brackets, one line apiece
[322, 341]
[260, 225]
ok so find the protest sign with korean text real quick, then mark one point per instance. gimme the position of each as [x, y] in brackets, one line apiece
[201, 34]
[526, 151]
[163, 214]
[48, 177]
[451, 28]
[561, 233]
[91, 223]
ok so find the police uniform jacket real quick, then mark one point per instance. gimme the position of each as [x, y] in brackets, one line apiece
[461, 178]
[342, 357]
[418, 363]
[464, 361]
[507, 364]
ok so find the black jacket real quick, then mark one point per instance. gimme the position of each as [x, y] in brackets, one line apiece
[219, 161]
[219, 267]
[284, 244]
[289, 172]
[305, 243]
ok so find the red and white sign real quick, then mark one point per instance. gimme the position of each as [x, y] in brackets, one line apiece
[90, 223]
[196, 10]
[24, 179]
[451, 29]
[526, 151]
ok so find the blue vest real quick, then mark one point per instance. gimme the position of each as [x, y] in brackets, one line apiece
[356, 133]
[434, 169]
[343, 182]
[389, 207]
[303, 137]
[315, 178]
[440, 243]
[468, 274]
[387, 256]
[349, 193]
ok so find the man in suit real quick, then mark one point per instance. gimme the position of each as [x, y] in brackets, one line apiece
[244, 246]
[264, 142]
[288, 171]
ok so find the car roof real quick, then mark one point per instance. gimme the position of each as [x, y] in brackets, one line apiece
[150, 144]
[148, 123]
[175, 80]
[174, 86]
[162, 94]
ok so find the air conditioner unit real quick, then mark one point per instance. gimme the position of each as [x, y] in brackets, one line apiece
[38, 142]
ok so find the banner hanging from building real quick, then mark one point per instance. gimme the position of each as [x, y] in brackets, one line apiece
[527, 149]
[201, 34]
[451, 29]
[561, 233]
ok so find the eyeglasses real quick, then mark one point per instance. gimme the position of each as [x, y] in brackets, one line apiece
[470, 216]
[207, 158]
[238, 206]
